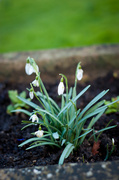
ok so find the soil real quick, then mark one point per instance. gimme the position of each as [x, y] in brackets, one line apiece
[11, 135]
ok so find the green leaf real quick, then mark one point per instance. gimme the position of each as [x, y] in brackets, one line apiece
[10, 108]
[33, 139]
[23, 111]
[73, 118]
[104, 129]
[84, 134]
[73, 100]
[66, 152]
[52, 116]
[13, 96]
[70, 93]
[92, 114]
[50, 99]
[94, 120]
[29, 103]
[42, 144]
[23, 94]
[30, 124]
[111, 110]
[99, 96]
[95, 107]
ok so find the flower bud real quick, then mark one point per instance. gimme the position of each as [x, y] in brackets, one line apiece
[79, 74]
[31, 66]
[35, 83]
[31, 94]
[61, 87]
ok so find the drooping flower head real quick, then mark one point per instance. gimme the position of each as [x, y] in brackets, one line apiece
[61, 87]
[28, 68]
[31, 94]
[34, 118]
[39, 133]
[79, 72]
[31, 66]
[35, 82]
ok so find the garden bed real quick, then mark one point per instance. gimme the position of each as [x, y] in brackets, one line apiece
[11, 135]
[98, 63]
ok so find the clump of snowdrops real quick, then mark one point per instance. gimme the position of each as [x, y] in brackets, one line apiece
[65, 124]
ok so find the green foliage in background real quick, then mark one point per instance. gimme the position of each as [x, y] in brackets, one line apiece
[112, 108]
[15, 102]
[30, 25]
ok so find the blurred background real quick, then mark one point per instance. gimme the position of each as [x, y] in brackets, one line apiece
[45, 24]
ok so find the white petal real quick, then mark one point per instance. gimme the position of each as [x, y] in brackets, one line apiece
[56, 135]
[29, 69]
[35, 83]
[79, 74]
[34, 118]
[31, 95]
[60, 88]
[39, 133]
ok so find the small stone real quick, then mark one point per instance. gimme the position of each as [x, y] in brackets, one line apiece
[34, 161]
[104, 166]
[49, 175]
[89, 173]
[36, 171]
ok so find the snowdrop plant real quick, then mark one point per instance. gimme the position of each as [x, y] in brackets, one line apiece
[64, 125]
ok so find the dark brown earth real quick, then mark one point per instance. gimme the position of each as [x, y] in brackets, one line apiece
[11, 135]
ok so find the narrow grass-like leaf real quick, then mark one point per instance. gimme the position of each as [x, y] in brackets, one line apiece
[73, 100]
[50, 99]
[94, 120]
[84, 134]
[52, 116]
[95, 107]
[33, 139]
[31, 124]
[66, 152]
[99, 96]
[30, 103]
[70, 93]
[92, 114]
[23, 111]
[42, 144]
[104, 129]
[72, 109]
[73, 118]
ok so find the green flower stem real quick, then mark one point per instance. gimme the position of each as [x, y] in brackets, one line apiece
[37, 96]
[45, 92]
[75, 85]
[66, 81]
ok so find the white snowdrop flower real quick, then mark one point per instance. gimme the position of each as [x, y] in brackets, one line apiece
[39, 133]
[60, 88]
[31, 94]
[34, 118]
[35, 83]
[113, 141]
[29, 69]
[56, 135]
[79, 74]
